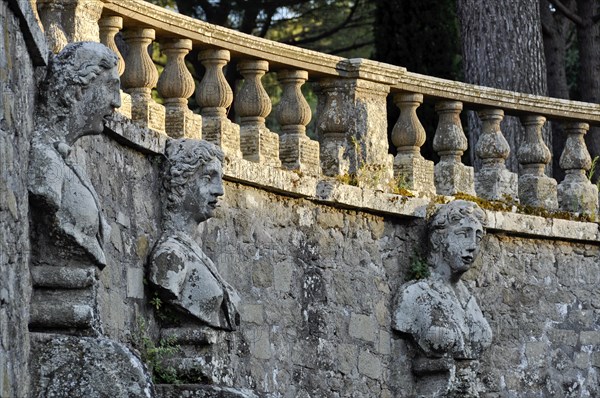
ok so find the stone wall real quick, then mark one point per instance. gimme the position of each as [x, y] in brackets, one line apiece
[318, 282]
[17, 100]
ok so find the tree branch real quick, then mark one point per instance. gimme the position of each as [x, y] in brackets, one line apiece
[351, 47]
[567, 12]
[328, 32]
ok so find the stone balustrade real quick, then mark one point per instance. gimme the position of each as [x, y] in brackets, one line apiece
[350, 138]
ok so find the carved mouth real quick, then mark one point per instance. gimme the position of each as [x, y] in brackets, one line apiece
[213, 204]
[468, 259]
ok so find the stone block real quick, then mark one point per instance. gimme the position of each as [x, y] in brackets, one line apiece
[415, 173]
[332, 155]
[147, 113]
[347, 358]
[578, 195]
[563, 337]
[538, 191]
[452, 178]
[201, 391]
[135, 283]
[298, 152]
[223, 133]
[86, 367]
[260, 145]
[496, 184]
[370, 365]
[385, 346]
[262, 273]
[62, 277]
[283, 274]
[125, 108]
[253, 313]
[260, 343]
[183, 123]
[591, 337]
[363, 327]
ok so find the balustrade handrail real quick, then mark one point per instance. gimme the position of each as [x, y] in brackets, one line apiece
[168, 24]
[512, 102]
[171, 24]
[351, 114]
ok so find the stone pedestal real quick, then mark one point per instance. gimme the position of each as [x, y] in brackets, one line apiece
[415, 172]
[492, 183]
[538, 191]
[69, 21]
[146, 112]
[223, 133]
[452, 178]
[577, 194]
[259, 144]
[298, 152]
[354, 109]
[64, 299]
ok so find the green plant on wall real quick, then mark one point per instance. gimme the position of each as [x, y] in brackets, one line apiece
[419, 269]
[154, 355]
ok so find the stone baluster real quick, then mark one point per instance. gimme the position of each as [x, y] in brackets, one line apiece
[332, 126]
[176, 85]
[69, 21]
[535, 188]
[215, 97]
[109, 27]
[408, 135]
[450, 142]
[253, 105]
[140, 78]
[494, 181]
[296, 150]
[576, 193]
[352, 129]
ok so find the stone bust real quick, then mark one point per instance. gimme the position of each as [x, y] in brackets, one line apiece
[80, 90]
[184, 275]
[439, 313]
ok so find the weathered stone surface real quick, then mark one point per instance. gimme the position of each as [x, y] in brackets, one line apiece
[200, 391]
[439, 312]
[86, 367]
[69, 228]
[21, 48]
[184, 275]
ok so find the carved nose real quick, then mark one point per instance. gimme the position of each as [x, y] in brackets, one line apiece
[116, 102]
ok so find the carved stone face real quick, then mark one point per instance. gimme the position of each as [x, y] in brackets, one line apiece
[99, 100]
[203, 191]
[462, 243]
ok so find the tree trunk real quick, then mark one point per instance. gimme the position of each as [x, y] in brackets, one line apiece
[588, 38]
[502, 48]
[555, 31]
